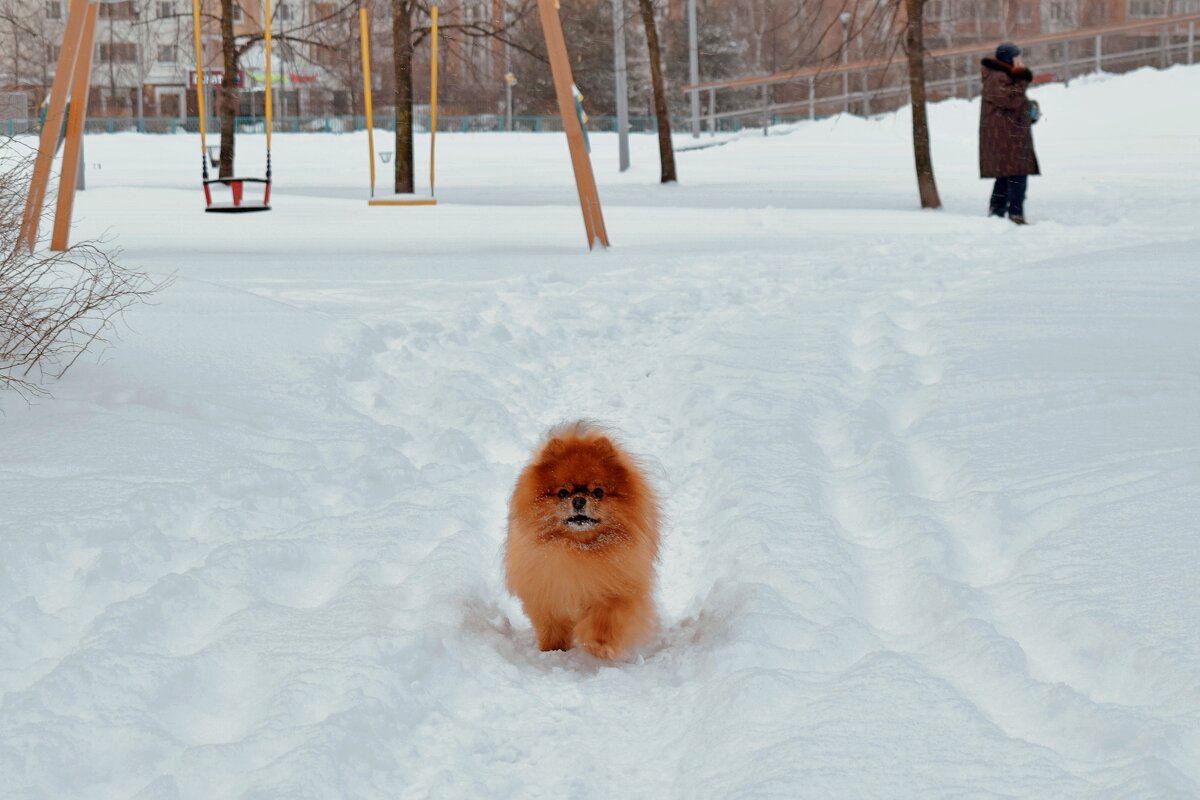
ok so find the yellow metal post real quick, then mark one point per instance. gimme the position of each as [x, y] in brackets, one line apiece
[365, 46]
[433, 69]
[199, 77]
[267, 98]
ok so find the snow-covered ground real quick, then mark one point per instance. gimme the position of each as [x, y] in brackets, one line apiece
[932, 481]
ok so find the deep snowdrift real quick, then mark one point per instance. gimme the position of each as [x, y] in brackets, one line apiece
[931, 480]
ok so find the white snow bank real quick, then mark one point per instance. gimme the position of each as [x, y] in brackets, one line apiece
[930, 479]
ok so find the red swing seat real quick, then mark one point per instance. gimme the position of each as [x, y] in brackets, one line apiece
[238, 204]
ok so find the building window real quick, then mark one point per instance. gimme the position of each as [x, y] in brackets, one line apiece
[1147, 9]
[986, 11]
[51, 53]
[118, 9]
[118, 53]
[469, 45]
[1060, 15]
[283, 12]
[166, 54]
[1179, 7]
[166, 9]
[54, 10]
[237, 11]
[324, 56]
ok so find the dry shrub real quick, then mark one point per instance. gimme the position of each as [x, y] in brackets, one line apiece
[54, 306]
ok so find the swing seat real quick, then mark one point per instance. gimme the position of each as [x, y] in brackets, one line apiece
[239, 204]
[403, 200]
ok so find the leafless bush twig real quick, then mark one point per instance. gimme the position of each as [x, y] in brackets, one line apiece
[54, 306]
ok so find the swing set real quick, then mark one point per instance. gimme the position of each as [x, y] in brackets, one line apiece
[384, 155]
[71, 77]
[568, 108]
[238, 203]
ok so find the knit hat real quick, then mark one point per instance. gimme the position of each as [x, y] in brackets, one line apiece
[1007, 52]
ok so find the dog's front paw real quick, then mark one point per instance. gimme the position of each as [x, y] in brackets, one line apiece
[602, 650]
[552, 635]
[595, 635]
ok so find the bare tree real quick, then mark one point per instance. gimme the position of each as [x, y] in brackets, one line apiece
[666, 151]
[25, 27]
[227, 107]
[410, 28]
[54, 305]
[914, 41]
[591, 56]
[402, 64]
[235, 46]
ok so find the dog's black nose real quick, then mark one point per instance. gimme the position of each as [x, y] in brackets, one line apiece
[579, 503]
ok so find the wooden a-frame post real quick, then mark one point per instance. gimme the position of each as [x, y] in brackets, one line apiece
[560, 68]
[76, 47]
[74, 138]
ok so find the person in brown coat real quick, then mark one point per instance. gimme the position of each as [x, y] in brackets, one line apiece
[1005, 135]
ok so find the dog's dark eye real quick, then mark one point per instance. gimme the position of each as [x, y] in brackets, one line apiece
[597, 493]
[562, 494]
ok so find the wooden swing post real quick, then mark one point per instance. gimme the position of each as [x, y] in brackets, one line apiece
[581, 162]
[74, 62]
[76, 116]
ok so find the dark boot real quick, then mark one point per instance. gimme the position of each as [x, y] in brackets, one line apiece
[1016, 198]
[998, 203]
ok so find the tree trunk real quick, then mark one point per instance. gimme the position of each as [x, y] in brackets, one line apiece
[228, 105]
[922, 153]
[666, 150]
[402, 50]
[112, 68]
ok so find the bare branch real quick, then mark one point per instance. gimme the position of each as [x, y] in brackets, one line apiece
[54, 306]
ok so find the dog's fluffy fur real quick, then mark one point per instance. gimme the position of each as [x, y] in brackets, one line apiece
[582, 544]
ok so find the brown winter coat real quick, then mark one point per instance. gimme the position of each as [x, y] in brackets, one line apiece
[1005, 138]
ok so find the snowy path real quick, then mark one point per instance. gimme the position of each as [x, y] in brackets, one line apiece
[931, 485]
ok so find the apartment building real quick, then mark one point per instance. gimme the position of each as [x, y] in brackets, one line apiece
[138, 63]
[143, 62]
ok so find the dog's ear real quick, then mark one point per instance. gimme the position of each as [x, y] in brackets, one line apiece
[555, 448]
[608, 454]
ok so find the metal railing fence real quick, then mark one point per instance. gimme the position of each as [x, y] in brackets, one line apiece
[872, 87]
[474, 123]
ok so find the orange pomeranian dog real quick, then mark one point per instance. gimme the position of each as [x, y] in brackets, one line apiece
[582, 542]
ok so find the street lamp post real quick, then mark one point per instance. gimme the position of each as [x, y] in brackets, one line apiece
[622, 87]
[509, 78]
[694, 67]
[845, 18]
